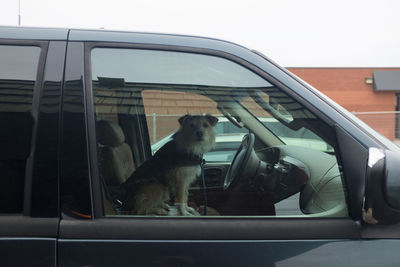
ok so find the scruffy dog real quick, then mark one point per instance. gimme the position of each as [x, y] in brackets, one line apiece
[170, 172]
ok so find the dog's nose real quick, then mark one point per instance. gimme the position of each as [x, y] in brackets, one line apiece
[199, 134]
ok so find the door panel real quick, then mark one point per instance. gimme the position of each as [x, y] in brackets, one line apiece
[192, 241]
[230, 253]
[204, 242]
[28, 251]
[26, 241]
[141, 228]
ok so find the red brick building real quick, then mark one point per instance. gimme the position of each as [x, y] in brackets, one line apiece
[356, 90]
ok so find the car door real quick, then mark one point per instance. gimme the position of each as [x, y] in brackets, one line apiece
[125, 91]
[31, 70]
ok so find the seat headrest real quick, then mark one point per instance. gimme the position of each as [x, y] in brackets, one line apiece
[109, 133]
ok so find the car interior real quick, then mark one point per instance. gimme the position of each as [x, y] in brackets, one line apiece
[264, 172]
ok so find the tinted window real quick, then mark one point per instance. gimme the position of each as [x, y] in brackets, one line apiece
[18, 68]
[148, 146]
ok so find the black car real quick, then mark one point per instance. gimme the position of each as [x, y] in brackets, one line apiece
[80, 109]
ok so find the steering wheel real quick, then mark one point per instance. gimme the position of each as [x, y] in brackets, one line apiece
[242, 160]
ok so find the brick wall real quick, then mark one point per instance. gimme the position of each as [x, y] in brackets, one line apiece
[347, 87]
[164, 108]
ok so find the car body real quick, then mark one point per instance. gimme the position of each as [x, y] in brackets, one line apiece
[58, 204]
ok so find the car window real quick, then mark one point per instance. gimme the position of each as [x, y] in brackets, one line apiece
[18, 68]
[184, 134]
[297, 136]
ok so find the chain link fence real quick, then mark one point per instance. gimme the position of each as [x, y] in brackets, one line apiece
[384, 122]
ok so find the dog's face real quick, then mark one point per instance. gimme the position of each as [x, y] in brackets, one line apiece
[196, 134]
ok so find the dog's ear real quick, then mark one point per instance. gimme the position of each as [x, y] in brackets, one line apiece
[212, 120]
[182, 119]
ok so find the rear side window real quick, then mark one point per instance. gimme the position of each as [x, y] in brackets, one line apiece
[18, 70]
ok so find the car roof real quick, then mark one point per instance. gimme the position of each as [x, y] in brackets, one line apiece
[33, 33]
[103, 35]
[161, 39]
[142, 38]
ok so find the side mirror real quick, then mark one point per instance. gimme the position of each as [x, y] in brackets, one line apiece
[382, 192]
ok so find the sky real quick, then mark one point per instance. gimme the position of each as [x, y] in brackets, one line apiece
[294, 33]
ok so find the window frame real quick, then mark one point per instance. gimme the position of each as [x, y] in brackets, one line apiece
[36, 229]
[23, 226]
[342, 224]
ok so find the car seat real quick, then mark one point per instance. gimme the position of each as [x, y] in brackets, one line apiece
[116, 162]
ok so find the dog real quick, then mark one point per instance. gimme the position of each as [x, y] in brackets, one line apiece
[168, 175]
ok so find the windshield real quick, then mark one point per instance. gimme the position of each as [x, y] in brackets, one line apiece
[286, 119]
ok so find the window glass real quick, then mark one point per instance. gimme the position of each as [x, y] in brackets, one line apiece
[298, 136]
[170, 68]
[18, 68]
[181, 134]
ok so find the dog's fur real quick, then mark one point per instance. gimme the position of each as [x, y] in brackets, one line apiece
[170, 172]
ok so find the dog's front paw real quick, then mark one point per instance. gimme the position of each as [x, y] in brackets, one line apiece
[161, 210]
[184, 210]
[191, 210]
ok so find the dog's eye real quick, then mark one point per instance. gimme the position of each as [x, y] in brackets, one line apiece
[205, 125]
